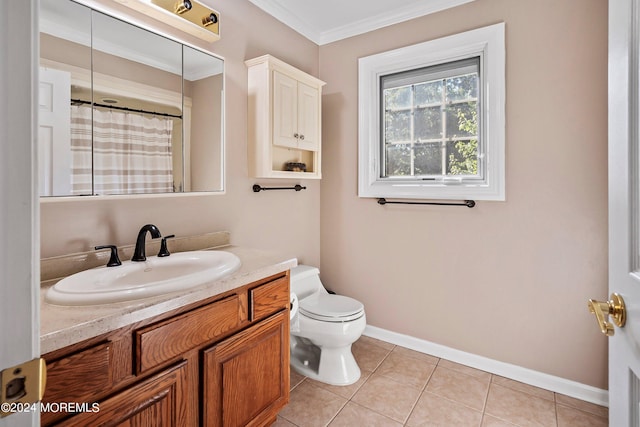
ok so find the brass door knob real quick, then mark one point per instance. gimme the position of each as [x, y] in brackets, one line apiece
[614, 308]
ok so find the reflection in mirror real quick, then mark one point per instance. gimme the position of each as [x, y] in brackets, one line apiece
[203, 87]
[144, 114]
[137, 114]
[65, 61]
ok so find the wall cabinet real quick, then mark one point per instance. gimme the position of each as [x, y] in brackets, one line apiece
[221, 362]
[284, 120]
[295, 114]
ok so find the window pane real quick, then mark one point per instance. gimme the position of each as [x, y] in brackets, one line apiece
[397, 126]
[397, 97]
[462, 157]
[428, 159]
[428, 123]
[462, 87]
[462, 120]
[428, 93]
[431, 120]
[398, 160]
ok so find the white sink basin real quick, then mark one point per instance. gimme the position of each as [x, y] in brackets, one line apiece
[134, 280]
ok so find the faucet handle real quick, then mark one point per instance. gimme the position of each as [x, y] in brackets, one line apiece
[114, 261]
[164, 251]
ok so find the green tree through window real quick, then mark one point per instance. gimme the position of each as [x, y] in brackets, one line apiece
[464, 161]
[431, 124]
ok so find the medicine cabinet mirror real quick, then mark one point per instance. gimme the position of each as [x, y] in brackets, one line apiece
[124, 110]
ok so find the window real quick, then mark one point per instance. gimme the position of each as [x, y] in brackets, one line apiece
[431, 120]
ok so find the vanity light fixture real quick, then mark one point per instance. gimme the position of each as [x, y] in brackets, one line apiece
[183, 6]
[211, 19]
[186, 15]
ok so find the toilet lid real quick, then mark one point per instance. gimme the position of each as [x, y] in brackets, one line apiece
[331, 308]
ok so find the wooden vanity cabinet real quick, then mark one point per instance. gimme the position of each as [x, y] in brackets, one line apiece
[246, 381]
[156, 401]
[221, 362]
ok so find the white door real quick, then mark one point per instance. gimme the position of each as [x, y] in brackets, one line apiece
[624, 209]
[54, 132]
[19, 224]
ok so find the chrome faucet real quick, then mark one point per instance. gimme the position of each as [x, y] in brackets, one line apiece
[139, 254]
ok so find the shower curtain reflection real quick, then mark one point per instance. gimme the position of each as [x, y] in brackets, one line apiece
[131, 152]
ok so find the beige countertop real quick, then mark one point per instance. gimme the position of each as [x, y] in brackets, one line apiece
[61, 326]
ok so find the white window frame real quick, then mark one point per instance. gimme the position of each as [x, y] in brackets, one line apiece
[488, 44]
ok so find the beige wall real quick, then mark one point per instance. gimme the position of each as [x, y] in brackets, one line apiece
[285, 221]
[205, 133]
[506, 280]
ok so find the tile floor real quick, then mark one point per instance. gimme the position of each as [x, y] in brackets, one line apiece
[402, 387]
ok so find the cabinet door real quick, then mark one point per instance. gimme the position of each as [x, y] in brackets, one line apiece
[246, 378]
[78, 377]
[157, 401]
[308, 117]
[285, 110]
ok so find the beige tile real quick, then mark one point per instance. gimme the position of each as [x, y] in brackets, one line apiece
[387, 397]
[489, 421]
[295, 378]
[473, 372]
[459, 387]
[520, 408]
[356, 415]
[311, 406]
[346, 391]
[368, 353]
[572, 417]
[426, 358]
[281, 422]
[432, 410]
[389, 394]
[407, 370]
[526, 388]
[368, 340]
[592, 408]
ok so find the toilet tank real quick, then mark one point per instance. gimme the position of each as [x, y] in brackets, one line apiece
[305, 281]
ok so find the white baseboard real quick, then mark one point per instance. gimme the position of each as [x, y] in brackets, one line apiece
[517, 373]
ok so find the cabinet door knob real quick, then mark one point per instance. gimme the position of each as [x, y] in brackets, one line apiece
[295, 135]
[302, 137]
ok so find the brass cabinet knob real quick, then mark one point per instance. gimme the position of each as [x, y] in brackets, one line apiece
[614, 308]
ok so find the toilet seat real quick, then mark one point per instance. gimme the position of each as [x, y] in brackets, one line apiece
[331, 308]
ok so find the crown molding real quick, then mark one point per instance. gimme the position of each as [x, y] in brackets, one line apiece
[275, 9]
[369, 23]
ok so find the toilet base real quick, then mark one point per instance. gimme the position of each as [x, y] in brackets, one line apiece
[330, 365]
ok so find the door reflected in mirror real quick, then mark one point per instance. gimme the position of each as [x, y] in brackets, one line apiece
[124, 110]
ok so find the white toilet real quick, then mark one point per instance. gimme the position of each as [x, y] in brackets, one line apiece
[323, 330]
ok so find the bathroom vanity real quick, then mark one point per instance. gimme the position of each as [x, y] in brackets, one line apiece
[215, 356]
